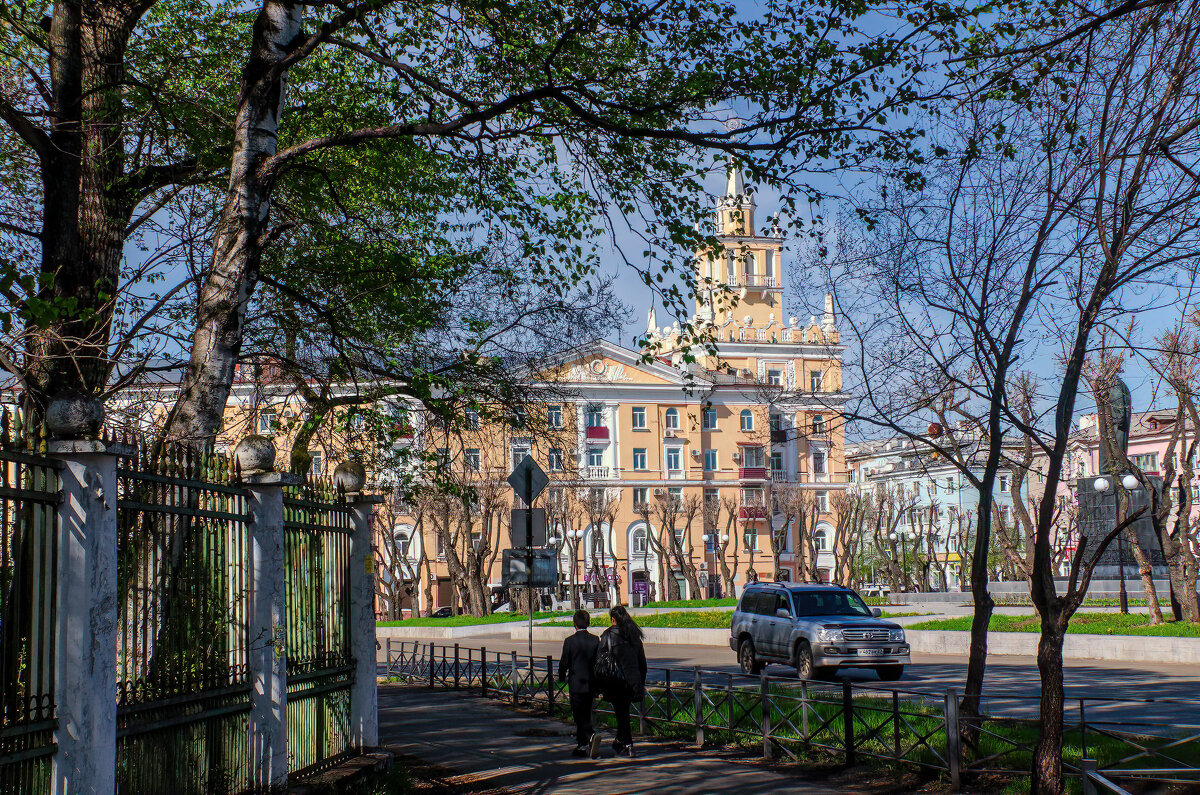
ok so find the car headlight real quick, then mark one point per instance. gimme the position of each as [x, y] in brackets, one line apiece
[829, 635]
[896, 636]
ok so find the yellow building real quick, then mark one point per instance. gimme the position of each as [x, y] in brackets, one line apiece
[662, 472]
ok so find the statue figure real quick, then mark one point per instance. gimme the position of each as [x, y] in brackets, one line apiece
[1120, 413]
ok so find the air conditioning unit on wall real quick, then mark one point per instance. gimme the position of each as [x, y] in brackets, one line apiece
[659, 492]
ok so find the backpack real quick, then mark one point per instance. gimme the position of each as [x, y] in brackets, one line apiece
[607, 669]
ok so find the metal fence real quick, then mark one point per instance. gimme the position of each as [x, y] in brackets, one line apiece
[29, 498]
[317, 527]
[807, 720]
[183, 693]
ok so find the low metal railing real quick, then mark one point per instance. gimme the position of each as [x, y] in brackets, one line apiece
[794, 719]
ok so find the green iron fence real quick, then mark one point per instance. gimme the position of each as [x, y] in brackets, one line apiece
[29, 498]
[317, 526]
[183, 695]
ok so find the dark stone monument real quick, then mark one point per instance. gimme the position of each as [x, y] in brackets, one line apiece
[1097, 518]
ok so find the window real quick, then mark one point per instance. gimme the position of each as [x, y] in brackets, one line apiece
[675, 495]
[775, 377]
[671, 419]
[595, 457]
[776, 422]
[554, 416]
[316, 465]
[750, 264]
[710, 419]
[949, 484]
[818, 457]
[472, 418]
[674, 458]
[471, 457]
[639, 458]
[1004, 483]
[822, 539]
[443, 457]
[268, 421]
[712, 496]
[403, 540]
[641, 495]
[518, 453]
[750, 539]
[595, 417]
[747, 420]
[785, 575]
[818, 425]
[753, 457]
[639, 418]
[777, 462]
[520, 418]
[1004, 515]
[710, 460]
[1147, 462]
[816, 382]
[710, 542]
[638, 541]
[932, 488]
[753, 497]
[554, 459]
[823, 501]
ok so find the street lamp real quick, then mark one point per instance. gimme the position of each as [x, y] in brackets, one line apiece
[1103, 484]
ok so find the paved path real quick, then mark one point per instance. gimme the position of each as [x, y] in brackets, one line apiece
[502, 749]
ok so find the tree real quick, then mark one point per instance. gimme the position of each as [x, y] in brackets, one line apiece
[588, 107]
[1065, 189]
[852, 512]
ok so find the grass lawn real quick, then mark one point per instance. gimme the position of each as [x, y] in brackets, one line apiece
[465, 621]
[695, 603]
[1082, 623]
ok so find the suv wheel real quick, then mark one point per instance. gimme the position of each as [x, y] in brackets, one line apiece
[804, 664]
[890, 673]
[748, 660]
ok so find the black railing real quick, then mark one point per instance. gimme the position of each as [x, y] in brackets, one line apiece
[29, 499]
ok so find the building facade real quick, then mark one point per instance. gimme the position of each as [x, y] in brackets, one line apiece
[677, 476]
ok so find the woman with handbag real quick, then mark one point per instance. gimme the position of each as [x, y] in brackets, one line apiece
[621, 672]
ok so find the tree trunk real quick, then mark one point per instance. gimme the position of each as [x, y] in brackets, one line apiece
[1047, 753]
[225, 295]
[1146, 573]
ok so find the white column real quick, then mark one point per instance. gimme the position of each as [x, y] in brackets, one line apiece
[364, 697]
[267, 632]
[85, 670]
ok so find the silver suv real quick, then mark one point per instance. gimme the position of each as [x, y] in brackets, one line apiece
[816, 629]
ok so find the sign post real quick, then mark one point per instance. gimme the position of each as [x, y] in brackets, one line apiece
[528, 481]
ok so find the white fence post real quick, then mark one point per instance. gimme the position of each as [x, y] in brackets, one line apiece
[85, 669]
[267, 631]
[364, 697]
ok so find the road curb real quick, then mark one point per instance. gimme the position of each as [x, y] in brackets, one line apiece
[1116, 648]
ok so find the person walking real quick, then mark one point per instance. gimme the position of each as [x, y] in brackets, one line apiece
[621, 668]
[575, 667]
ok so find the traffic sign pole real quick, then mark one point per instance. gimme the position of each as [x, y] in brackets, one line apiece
[529, 556]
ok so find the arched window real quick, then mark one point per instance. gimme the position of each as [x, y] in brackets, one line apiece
[637, 542]
[822, 539]
[671, 419]
[402, 535]
[747, 420]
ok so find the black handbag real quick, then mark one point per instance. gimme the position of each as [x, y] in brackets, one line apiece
[608, 671]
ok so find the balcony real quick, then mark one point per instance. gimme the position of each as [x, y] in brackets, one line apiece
[754, 335]
[597, 432]
[779, 436]
[598, 473]
[752, 473]
[752, 512]
[759, 282]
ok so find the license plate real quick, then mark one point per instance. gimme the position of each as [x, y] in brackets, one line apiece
[872, 652]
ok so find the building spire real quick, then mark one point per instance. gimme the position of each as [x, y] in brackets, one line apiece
[734, 187]
[651, 322]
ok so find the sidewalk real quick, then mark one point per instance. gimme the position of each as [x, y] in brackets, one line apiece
[498, 749]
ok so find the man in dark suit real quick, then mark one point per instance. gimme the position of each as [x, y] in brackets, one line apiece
[575, 668]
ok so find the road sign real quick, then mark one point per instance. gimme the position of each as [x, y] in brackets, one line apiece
[528, 480]
[526, 533]
[516, 565]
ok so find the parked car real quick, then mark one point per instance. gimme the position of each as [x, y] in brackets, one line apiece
[816, 629]
[872, 589]
[442, 612]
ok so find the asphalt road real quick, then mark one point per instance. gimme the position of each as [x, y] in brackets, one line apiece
[1123, 693]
